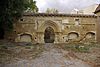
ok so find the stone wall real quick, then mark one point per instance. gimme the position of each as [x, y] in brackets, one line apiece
[66, 28]
[98, 26]
[98, 29]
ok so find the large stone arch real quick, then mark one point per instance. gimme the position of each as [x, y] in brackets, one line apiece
[44, 26]
[49, 23]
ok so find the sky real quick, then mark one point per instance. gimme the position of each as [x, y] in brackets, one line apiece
[64, 5]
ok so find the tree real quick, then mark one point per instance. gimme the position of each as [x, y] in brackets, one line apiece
[53, 11]
[32, 6]
[11, 10]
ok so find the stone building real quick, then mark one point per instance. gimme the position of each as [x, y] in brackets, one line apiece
[97, 12]
[56, 28]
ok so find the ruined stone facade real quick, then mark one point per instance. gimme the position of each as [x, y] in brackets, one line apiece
[55, 28]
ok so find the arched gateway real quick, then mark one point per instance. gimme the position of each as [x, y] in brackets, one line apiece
[48, 32]
[49, 35]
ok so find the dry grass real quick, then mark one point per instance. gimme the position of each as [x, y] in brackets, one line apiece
[78, 47]
[12, 54]
[88, 52]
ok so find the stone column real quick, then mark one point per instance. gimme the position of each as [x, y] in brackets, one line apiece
[58, 38]
[40, 37]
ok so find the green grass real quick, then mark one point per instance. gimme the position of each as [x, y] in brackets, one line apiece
[78, 47]
[82, 48]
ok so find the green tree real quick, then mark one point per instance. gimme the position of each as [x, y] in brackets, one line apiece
[12, 10]
[32, 6]
[53, 11]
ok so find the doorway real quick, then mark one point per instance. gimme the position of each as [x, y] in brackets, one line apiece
[49, 35]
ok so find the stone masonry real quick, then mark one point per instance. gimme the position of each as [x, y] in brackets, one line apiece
[65, 28]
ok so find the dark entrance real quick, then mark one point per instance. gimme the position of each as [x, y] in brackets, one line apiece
[49, 35]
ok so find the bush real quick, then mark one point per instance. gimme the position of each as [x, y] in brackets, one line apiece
[82, 48]
[3, 47]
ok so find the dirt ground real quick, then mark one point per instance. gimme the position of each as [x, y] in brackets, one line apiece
[49, 55]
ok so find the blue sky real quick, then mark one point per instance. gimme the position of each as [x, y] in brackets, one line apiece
[64, 5]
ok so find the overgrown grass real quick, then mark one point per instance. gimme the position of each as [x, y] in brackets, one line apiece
[78, 47]
[9, 54]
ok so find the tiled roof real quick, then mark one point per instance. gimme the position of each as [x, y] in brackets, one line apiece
[58, 15]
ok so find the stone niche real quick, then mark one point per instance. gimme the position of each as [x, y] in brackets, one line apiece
[25, 38]
[90, 35]
[73, 36]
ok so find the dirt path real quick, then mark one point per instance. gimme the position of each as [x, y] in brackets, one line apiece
[51, 57]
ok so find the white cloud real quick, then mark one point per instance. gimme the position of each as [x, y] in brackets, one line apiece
[64, 5]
